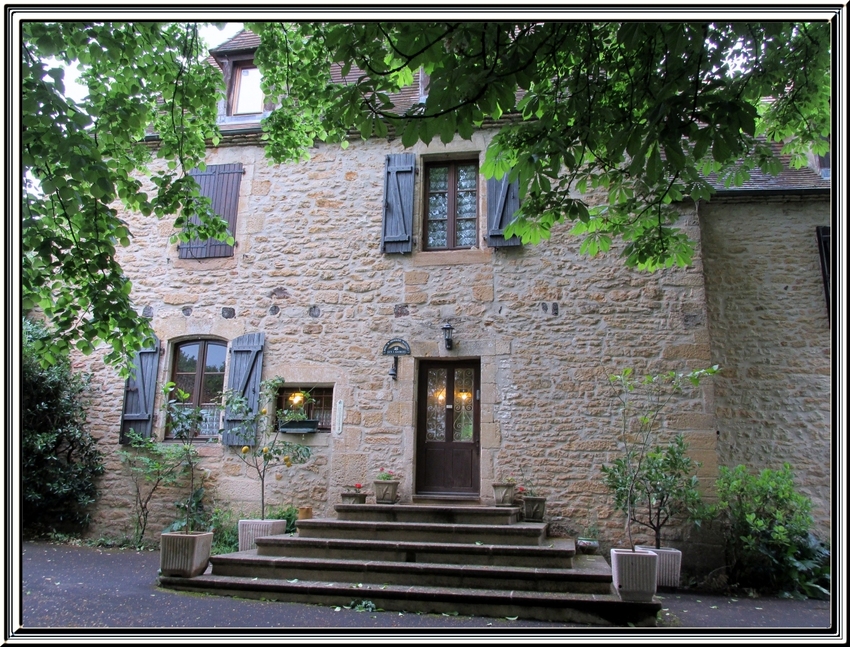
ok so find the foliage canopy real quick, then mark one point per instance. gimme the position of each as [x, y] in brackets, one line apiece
[642, 112]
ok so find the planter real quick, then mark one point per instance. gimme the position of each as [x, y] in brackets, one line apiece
[299, 426]
[504, 493]
[184, 554]
[386, 491]
[354, 497]
[305, 512]
[669, 565]
[587, 545]
[250, 529]
[535, 507]
[634, 574]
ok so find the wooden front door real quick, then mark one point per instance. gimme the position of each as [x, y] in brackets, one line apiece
[448, 428]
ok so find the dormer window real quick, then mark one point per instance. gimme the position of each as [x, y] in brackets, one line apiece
[247, 95]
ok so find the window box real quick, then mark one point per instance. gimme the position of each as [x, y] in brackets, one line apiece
[299, 426]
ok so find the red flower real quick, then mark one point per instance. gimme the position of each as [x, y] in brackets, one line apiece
[521, 489]
[358, 486]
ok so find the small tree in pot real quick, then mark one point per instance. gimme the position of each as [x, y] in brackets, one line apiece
[184, 553]
[653, 485]
[264, 450]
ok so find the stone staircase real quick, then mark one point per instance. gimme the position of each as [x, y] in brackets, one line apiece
[472, 560]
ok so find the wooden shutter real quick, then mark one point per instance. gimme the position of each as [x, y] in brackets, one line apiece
[220, 183]
[823, 248]
[246, 367]
[398, 204]
[139, 394]
[502, 204]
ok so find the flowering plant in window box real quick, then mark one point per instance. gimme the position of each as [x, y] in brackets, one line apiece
[353, 493]
[294, 418]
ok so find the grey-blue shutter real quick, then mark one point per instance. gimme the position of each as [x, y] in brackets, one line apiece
[220, 183]
[139, 394]
[397, 234]
[246, 367]
[823, 248]
[502, 204]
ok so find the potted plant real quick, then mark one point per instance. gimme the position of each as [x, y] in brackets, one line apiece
[353, 494]
[650, 485]
[534, 505]
[184, 552]
[294, 419]
[503, 491]
[587, 542]
[264, 450]
[386, 486]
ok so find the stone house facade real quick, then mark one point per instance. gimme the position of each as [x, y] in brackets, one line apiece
[331, 269]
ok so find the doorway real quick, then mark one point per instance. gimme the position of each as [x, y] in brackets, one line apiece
[448, 425]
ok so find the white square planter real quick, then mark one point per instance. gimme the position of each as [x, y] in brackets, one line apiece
[669, 565]
[634, 574]
[184, 554]
[250, 529]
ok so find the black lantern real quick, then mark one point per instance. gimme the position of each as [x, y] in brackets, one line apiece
[394, 369]
[447, 335]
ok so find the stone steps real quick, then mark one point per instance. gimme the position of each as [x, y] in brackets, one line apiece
[471, 560]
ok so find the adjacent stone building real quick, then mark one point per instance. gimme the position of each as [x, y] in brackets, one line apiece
[377, 249]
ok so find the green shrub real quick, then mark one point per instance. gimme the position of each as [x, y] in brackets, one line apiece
[225, 529]
[60, 459]
[290, 513]
[767, 527]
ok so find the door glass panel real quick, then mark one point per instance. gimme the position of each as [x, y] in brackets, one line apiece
[463, 405]
[435, 419]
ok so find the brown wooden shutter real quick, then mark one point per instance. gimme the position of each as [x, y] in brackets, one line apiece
[220, 183]
[502, 204]
[246, 367]
[397, 235]
[139, 394]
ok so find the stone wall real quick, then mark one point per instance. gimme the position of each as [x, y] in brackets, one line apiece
[546, 323]
[770, 332]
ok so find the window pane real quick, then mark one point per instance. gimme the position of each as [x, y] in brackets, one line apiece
[435, 422]
[186, 382]
[215, 358]
[187, 358]
[437, 233]
[463, 405]
[249, 99]
[213, 386]
[466, 233]
[467, 176]
[466, 206]
[439, 178]
[438, 206]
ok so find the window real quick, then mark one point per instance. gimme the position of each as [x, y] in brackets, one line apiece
[823, 247]
[247, 96]
[451, 205]
[198, 370]
[321, 408]
[220, 183]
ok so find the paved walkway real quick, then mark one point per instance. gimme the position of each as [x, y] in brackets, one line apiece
[68, 587]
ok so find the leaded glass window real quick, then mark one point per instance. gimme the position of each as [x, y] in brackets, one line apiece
[451, 213]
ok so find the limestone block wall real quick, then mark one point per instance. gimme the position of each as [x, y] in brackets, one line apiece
[770, 332]
[546, 323]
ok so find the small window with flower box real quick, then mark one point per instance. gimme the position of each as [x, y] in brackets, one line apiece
[315, 404]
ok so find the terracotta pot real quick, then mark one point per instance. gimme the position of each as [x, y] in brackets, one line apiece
[305, 512]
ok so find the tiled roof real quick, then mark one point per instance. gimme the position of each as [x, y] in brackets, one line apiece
[244, 40]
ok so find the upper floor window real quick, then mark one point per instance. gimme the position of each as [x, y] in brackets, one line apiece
[198, 369]
[220, 183]
[247, 95]
[451, 205]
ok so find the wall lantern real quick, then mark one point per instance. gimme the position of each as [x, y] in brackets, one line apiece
[447, 335]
